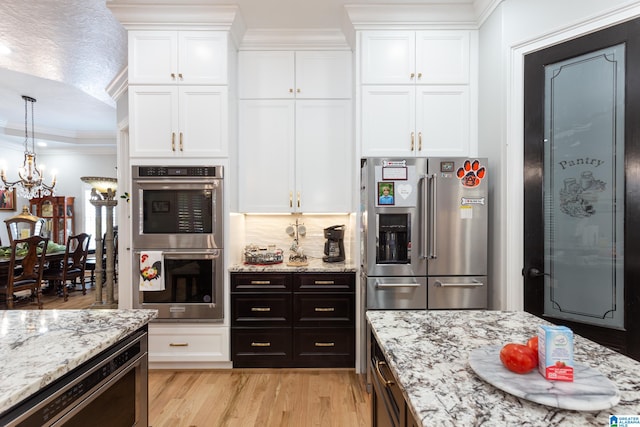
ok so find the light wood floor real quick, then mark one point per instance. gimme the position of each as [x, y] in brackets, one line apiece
[245, 397]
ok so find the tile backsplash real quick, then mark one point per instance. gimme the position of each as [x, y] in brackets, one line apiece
[263, 230]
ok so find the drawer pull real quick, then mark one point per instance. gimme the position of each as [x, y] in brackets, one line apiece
[179, 344]
[261, 282]
[324, 282]
[385, 382]
[260, 344]
[325, 309]
[262, 309]
[325, 344]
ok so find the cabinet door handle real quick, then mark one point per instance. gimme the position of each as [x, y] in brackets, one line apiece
[413, 138]
[324, 282]
[385, 382]
[298, 90]
[260, 344]
[180, 76]
[179, 344]
[173, 141]
[298, 199]
[173, 76]
[261, 309]
[290, 90]
[419, 141]
[325, 309]
[419, 75]
[290, 199]
[413, 75]
[261, 282]
[325, 344]
[180, 141]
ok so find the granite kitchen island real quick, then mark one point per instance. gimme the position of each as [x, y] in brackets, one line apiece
[39, 347]
[428, 353]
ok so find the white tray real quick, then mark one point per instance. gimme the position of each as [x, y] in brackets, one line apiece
[590, 390]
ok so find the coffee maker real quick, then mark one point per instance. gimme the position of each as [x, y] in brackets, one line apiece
[334, 246]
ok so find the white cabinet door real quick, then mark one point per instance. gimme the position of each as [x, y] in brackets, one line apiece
[266, 74]
[442, 57]
[387, 57]
[203, 123]
[266, 168]
[324, 75]
[153, 113]
[323, 156]
[388, 121]
[172, 57]
[443, 120]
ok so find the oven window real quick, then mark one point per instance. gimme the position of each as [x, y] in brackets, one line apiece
[177, 211]
[186, 281]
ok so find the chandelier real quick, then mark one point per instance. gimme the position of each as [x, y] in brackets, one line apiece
[31, 183]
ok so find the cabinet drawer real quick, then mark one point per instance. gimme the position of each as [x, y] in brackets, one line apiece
[188, 343]
[324, 347]
[267, 310]
[324, 282]
[261, 347]
[260, 282]
[323, 309]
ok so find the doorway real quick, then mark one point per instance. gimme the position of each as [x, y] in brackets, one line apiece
[582, 185]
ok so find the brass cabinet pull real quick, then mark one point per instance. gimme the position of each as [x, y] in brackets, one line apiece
[260, 344]
[325, 309]
[419, 141]
[179, 344]
[290, 199]
[181, 141]
[325, 344]
[290, 90]
[413, 75]
[385, 382]
[298, 90]
[263, 309]
[324, 282]
[180, 76]
[261, 282]
[173, 141]
[413, 137]
[298, 199]
[419, 75]
[173, 76]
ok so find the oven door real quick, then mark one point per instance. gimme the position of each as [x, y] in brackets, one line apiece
[172, 213]
[193, 286]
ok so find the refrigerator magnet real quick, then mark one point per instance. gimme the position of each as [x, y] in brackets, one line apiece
[386, 193]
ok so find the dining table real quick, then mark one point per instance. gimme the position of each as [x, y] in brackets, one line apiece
[54, 260]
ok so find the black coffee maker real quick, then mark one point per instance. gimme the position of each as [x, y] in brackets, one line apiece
[334, 246]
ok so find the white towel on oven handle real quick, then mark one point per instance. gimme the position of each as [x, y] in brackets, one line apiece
[151, 271]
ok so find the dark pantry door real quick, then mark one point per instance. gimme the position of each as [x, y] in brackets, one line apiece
[582, 186]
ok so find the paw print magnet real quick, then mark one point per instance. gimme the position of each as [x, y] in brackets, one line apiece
[471, 173]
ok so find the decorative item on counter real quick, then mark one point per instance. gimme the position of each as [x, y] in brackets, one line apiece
[297, 258]
[254, 254]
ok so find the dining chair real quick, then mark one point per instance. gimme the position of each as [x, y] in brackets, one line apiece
[72, 267]
[26, 267]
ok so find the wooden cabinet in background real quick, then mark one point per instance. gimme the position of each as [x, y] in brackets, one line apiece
[58, 214]
[302, 320]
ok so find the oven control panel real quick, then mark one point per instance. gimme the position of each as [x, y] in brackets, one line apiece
[177, 171]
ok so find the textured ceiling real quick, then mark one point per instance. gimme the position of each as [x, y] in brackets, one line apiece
[66, 52]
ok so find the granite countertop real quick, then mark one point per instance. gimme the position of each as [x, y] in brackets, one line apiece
[316, 265]
[39, 346]
[428, 352]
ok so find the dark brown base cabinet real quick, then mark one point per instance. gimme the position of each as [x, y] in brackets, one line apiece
[388, 406]
[299, 320]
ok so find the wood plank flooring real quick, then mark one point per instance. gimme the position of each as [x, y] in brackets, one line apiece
[245, 397]
[258, 397]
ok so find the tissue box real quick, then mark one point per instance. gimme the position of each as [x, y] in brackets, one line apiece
[555, 352]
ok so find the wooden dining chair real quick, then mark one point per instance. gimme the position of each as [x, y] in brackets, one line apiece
[26, 267]
[72, 267]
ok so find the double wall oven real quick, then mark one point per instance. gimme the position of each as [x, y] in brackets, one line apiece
[178, 218]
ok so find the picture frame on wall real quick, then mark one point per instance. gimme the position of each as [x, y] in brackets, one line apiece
[8, 200]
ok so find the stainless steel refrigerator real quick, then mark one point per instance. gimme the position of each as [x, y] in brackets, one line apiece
[424, 233]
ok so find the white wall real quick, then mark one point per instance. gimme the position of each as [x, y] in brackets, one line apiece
[515, 28]
[70, 166]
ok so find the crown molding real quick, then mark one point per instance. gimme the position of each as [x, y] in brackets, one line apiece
[294, 39]
[414, 16]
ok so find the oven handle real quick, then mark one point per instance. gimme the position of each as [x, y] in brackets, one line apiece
[178, 180]
[209, 253]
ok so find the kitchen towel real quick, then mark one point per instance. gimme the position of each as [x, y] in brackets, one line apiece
[151, 271]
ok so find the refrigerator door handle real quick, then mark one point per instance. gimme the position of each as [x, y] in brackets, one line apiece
[474, 284]
[396, 285]
[433, 209]
[425, 205]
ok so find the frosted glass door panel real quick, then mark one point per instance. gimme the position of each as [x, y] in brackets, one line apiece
[584, 188]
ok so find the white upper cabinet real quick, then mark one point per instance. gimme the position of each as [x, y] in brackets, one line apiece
[415, 57]
[295, 75]
[178, 57]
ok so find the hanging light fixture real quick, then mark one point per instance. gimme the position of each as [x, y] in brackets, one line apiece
[31, 183]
